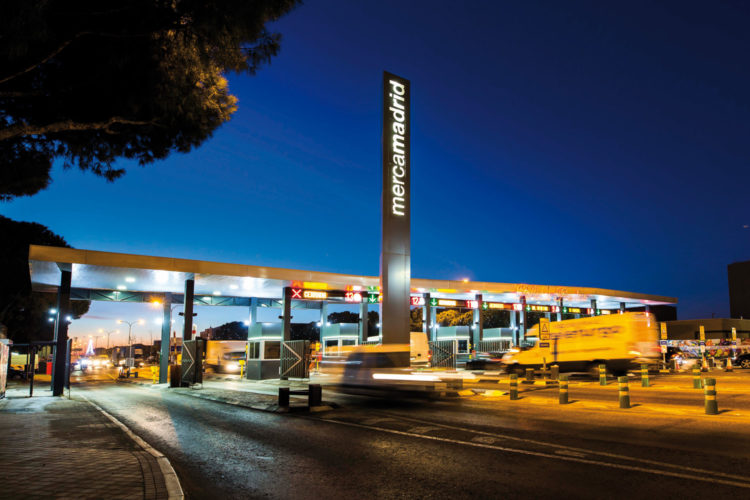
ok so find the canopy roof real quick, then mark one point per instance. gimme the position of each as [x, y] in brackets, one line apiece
[107, 271]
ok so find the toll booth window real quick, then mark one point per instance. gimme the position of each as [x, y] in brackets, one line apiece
[272, 349]
[253, 350]
[348, 342]
[332, 346]
[463, 346]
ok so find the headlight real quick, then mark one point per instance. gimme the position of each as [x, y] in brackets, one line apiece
[233, 367]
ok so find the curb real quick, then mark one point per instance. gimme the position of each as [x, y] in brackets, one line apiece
[172, 482]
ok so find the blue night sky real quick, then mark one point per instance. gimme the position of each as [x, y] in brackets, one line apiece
[565, 143]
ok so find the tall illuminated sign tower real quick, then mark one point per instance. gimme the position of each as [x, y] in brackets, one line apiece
[395, 258]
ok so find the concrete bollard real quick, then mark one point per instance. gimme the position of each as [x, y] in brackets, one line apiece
[624, 392]
[554, 372]
[563, 389]
[513, 386]
[644, 376]
[529, 376]
[697, 383]
[602, 374]
[314, 395]
[710, 395]
[284, 397]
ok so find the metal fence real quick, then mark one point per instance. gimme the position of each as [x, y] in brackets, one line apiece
[493, 346]
[192, 361]
[294, 359]
[444, 353]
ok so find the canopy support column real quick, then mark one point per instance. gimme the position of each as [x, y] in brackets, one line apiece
[61, 330]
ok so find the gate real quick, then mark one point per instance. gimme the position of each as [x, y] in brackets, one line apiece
[192, 362]
[494, 346]
[294, 359]
[444, 353]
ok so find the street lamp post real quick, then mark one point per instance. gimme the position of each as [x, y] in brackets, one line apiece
[130, 343]
[108, 333]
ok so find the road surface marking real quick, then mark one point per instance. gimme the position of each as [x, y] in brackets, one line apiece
[574, 449]
[484, 439]
[424, 429]
[599, 463]
[570, 453]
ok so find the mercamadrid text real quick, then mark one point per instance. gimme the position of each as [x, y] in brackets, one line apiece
[399, 164]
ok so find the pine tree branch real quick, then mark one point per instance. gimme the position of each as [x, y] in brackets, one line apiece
[21, 130]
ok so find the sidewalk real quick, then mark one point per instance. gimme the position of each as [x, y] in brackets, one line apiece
[53, 447]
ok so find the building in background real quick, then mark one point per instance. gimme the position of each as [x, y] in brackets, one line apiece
[739, 289]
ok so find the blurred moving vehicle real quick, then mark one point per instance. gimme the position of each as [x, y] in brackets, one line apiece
[619, 341]
[223, 356]
[380, 369]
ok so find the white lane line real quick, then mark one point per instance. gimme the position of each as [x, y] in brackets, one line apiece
[172, 482]
[580, 450]
[546, 455]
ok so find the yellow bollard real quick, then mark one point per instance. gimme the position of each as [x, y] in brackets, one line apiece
[242, 367]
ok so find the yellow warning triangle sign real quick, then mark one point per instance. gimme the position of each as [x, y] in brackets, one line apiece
[545, 327]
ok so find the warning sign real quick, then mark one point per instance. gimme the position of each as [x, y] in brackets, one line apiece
[702, 332]
[663, 330]
[544, 330]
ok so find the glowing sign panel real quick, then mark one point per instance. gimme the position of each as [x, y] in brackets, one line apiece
[314, 295]
[447, 303]
[353, 297]
[417, 301]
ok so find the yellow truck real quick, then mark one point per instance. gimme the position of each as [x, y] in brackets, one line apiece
[619, 341]
[223, 356]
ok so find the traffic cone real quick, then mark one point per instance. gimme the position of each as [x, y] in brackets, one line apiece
[729, 367]
[704, 365]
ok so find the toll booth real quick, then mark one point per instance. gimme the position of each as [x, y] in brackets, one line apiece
[496, 339]
[461, 334]
[336, 338]
[263, 351]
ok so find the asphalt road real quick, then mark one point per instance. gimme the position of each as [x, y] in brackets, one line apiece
[372, 448]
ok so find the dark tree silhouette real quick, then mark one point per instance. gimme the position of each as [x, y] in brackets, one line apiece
[89, 81]
[22, 311]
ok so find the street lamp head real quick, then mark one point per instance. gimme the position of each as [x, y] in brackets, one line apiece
[53, 311]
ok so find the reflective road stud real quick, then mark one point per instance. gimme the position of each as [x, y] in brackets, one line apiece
[602, 374]
[513, 386]
[697, 379]
[624, 392]
[644, 376]
[710, 393]
[563, 389]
